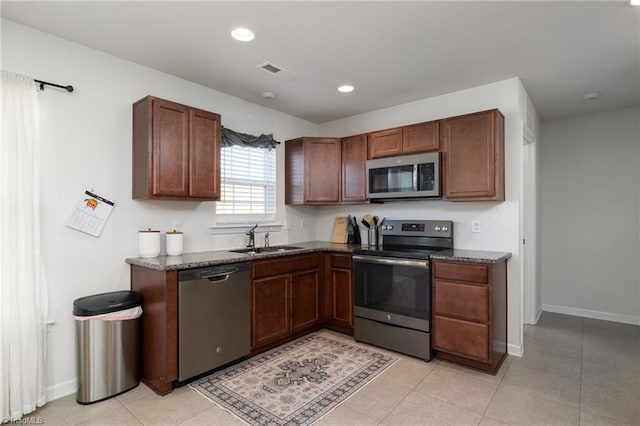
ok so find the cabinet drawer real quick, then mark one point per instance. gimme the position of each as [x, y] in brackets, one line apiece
[459, 337]
[341, 261]
[461, 300]
[285, 265]
[461, 272]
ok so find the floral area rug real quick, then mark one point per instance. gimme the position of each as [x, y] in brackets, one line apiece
[296, 383]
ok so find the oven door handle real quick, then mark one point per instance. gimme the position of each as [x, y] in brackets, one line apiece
[391, 261]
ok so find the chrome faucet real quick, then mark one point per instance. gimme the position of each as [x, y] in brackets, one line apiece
[252, 237]
[266, 240]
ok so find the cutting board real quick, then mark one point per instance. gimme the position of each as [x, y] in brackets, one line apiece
[339, 234]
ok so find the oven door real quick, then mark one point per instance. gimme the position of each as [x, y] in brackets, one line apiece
[392, 290]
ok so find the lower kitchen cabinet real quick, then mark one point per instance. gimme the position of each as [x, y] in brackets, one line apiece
[270, 313]
[470, 313]
[285, 297]
[159, 333]
[305, 297]
[290, 295]
[339, 294]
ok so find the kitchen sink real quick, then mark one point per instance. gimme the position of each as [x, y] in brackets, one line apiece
[274, 249]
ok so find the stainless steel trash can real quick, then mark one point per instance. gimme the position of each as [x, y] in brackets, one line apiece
[107, 344]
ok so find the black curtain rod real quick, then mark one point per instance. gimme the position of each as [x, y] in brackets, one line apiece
[46, 83]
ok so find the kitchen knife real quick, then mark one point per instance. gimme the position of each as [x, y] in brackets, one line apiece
[356, 232]
[350, 230]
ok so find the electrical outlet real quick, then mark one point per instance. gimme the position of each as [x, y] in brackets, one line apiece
[301, 223]
[475, 226]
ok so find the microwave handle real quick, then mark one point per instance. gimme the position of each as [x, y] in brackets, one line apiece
[415, 177]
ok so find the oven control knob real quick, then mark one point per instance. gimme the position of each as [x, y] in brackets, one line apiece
[437, 228]
[388, 317]
[445, 228]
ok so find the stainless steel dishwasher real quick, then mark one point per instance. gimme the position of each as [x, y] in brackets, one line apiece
[213, 317]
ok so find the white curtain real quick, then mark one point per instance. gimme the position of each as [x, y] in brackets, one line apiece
[23, 296]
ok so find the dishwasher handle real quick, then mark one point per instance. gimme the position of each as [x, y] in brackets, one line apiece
[218, 278]
[218, 273]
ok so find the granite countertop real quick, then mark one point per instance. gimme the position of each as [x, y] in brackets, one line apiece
[201, 259]
[472, 256]
[219, 257]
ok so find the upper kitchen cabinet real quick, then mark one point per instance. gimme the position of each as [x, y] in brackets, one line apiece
[312, 171]
[474, 157]
[385, 143]
[176, 151]
[421, 137]
[354, 173]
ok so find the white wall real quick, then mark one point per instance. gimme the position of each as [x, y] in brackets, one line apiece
[500, 222]
[590, 215]
[86, 143]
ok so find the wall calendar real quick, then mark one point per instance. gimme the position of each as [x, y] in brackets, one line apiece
[91, 214]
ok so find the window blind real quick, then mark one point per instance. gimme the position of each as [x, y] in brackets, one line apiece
[248, 184]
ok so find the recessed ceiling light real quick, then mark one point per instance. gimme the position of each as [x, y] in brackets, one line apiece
[268, 95]
[242, 34]
[345, 88]
[591, 96]
[634, 2]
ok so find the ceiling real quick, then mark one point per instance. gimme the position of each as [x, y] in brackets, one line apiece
[392, 52]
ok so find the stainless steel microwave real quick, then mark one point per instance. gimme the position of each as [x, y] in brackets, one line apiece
[407, 176]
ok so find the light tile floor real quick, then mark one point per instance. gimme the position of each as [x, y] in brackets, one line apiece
[574, 371]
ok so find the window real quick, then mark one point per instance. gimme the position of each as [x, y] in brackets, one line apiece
[248, 183]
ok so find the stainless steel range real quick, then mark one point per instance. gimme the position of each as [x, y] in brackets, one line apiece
[392, 285]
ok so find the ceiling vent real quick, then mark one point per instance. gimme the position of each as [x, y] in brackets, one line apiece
[278, 71]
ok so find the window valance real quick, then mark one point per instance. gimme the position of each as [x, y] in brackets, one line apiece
[233, 138]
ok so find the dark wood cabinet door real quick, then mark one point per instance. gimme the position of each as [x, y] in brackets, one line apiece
[422, 137]
[385, 143]
[354, 161]
[170, 149]
[322, 170]
[305, 298]
[270, 316]
[312, 171]
[341, 297]
[474, 157]
[204, 155]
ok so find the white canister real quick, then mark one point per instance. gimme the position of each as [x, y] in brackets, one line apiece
[175, 243]
[148, 243]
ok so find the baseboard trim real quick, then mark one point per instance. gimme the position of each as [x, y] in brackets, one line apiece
[538, 313]
[586, 313]
[515, 350]
[62, 389]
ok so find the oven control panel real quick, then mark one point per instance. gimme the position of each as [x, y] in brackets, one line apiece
[433, 228]
[413, 227]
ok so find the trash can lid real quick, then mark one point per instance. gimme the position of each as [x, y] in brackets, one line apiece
[106, 302]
